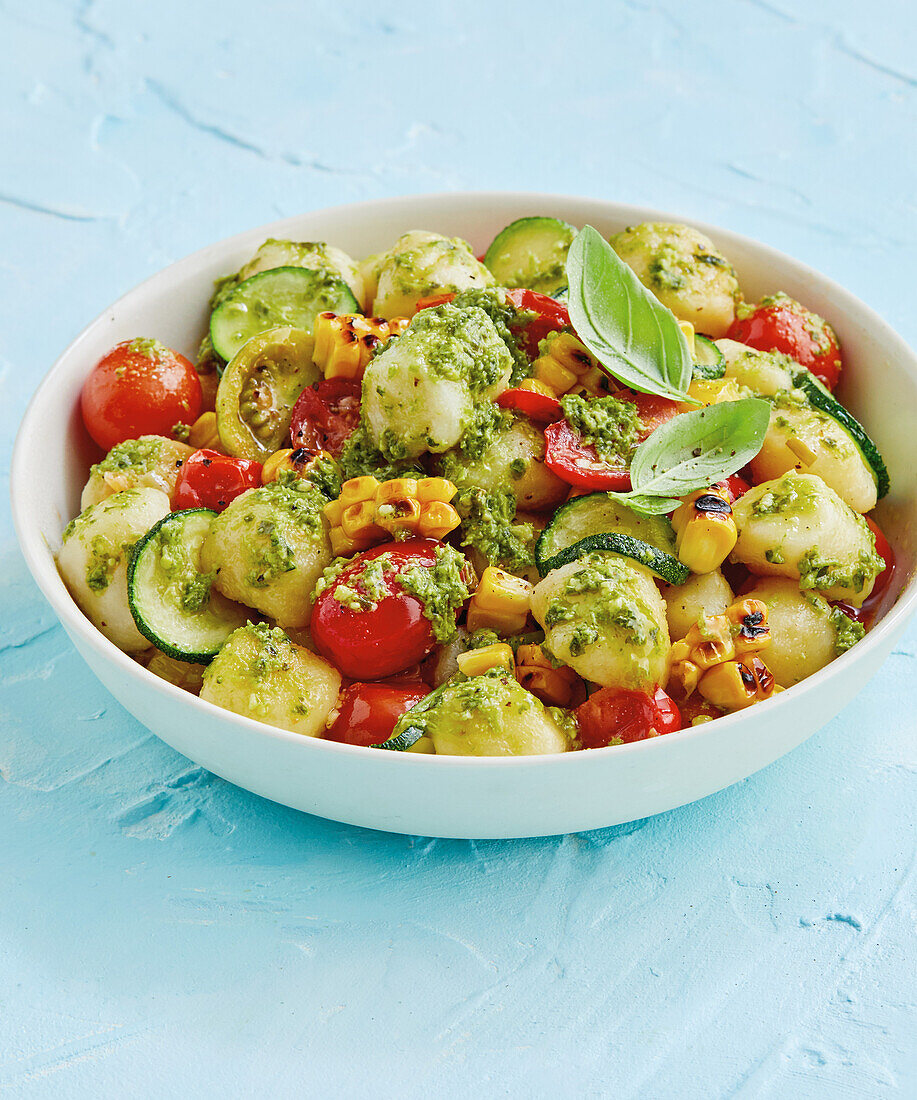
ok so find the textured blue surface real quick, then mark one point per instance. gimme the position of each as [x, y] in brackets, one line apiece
[163, 933]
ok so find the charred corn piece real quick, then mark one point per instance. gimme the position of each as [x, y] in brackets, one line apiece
[550, 685]
[684, 676]
[399, 517]
[298, 461]
[358, 521]
[437, 520]
[203, 432]
[748, 619]
[358, 489]
[477, 661]
[532, 656]
[439, 489]
[711, 391]
[735, 685]
[345, 343]
[705, 530]
[368, 512]
[564, 364]
[501, 602]
[536, 387]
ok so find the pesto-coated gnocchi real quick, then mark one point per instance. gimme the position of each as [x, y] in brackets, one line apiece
[269, 547]
[94, 555]
[763, 372]
[260, 673]
[797, 526]
[702, 594]
[151, 460]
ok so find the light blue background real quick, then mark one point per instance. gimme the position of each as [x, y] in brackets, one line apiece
[165, 934]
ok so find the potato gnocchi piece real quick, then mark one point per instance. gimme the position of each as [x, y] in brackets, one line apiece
[766, 373]
[800, 437]
[269, 547]
[420, 392]
[806, 633]
[151, 460]
[603, 616]
[798, 527]
[685, 271]
[260, 673]
[492, 715]
[94, 556]
[514, 459]
[420, 264]
[701, 595]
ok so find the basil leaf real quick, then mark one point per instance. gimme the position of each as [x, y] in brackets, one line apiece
[631, 333]
[647, 505]
[697, 448]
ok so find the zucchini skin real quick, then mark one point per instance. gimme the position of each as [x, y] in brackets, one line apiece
[547, 279]
[408, 737]
[714, 365]
[822, 399]
[664, 565]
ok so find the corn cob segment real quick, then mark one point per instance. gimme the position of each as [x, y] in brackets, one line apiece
[567, 366]
[345, 342]
[501, 602]
[705, 530]
[368, 512]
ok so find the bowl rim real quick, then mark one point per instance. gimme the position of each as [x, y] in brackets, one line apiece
[43, 568]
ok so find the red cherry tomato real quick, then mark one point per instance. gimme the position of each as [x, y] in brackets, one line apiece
[539, 406]
[578, 463]
[210, 480]
[652, 411]
[325, 415]
[139, 388]
[865, 613]
[389, 637]
[736, 486]
[368, 712]
[540, 315]
[781, 324]
[619, 716]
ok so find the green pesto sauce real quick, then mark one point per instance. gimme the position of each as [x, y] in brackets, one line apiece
[610, 425]
[191, 586]
[441, 588]
[296, 499]
[149, 348]
[790, 496]
[138, 455]
[181, 431]
[847, 631]
[274, 652]
[366, 585]
[271, 558]
[325, 475]
[330, 575]
[87, 519]
[487, 526]
[360, 456]
[104, 559]
[494, 303]
[487, 420]
[599, 595]
[460, 345]
[816, 571]
[492, 699]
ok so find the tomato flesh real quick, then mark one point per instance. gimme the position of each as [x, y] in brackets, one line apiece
[620, 716]
[326, 415]
[210, 480]
[140, 387]
[866, 613]
[789, 327]
[368, 712]
[578, 463]
[538, 406]
[389, 636]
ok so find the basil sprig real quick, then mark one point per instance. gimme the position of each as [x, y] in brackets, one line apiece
[692, 451]
[631, 333]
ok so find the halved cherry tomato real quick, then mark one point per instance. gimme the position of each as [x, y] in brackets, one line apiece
[539, 406]
[368, 712]
[578, 463]
[619, 716]
[140, 387]
[392, 634]
[736, 486]
[782, 324]
[208, 479]
[865, 613]
[325, 415]
[539, 315]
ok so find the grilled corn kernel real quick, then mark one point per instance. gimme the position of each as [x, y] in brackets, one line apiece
[734, 685]
[550, 685]
[477, 661]
[571, 353]
[501, 622]
[683, 679]
[437, 520]
[358, 521]
[345, 343]
[748, 619]
[396, 489]
[358, 489]
[398, 517]
[536, 387]
[550, 373]
[712, 391]
[203, 432]
[532, 656]
[430, 489]
[501, 591]
[705, 529]
[333, 512]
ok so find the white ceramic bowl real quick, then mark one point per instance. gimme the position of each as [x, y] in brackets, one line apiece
[457, 796]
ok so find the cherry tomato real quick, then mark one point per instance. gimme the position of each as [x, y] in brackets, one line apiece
[545, 315]
[578, 463]
[865, 613]
[735, 485]
[539, 406]
[325, 415]
[368, 712]
[781, 324]
[210, 480]
[139, 388]
[392, 634]
[652, 411]
[619, 716]
[539, 315]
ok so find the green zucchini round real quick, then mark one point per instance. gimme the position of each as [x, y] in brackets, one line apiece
[531, 253]
[663, 565]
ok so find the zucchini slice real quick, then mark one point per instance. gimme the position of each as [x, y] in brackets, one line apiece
[403, 741]
[531, 253]
[281, 296]
[663, 565]
[597, 514]
[171, 598]
[258, 389]
[820, 397]
[709, 361]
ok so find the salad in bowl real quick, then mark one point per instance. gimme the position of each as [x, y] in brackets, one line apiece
[570, 494]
